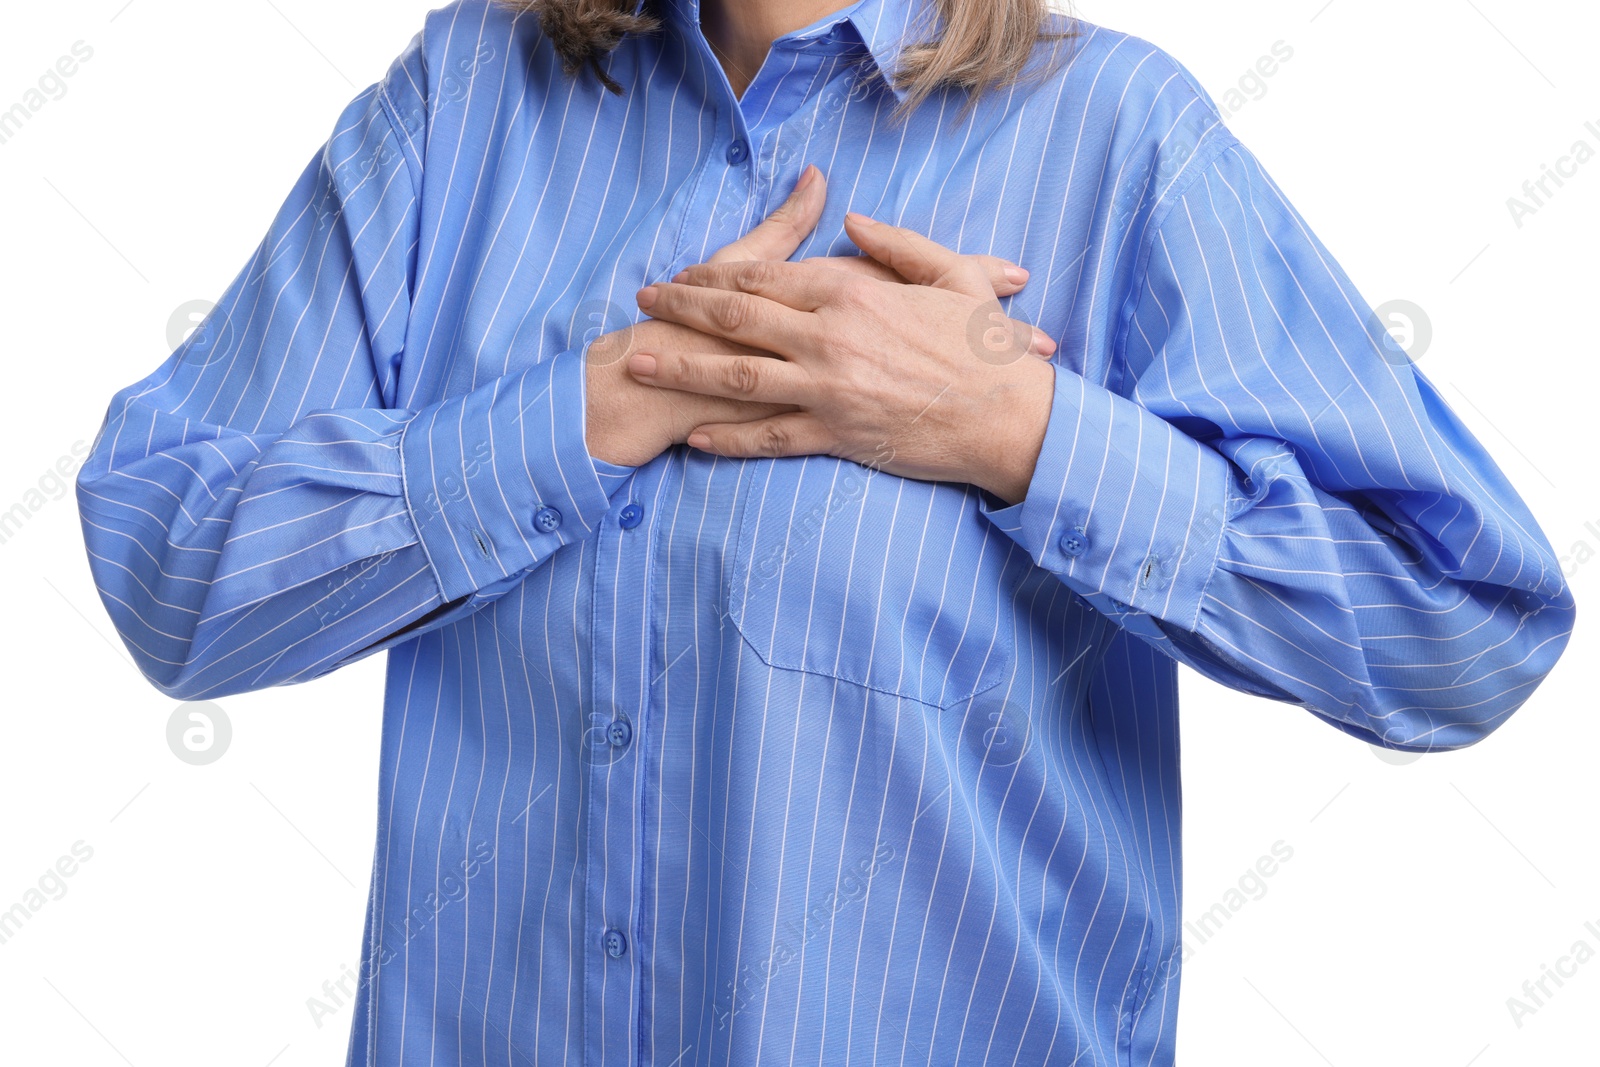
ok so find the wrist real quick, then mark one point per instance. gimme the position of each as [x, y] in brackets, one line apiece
[1010, 441]
[612, 433]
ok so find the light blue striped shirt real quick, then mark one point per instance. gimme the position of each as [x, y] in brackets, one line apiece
[794, 761]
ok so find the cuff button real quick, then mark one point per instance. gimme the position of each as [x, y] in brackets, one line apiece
[547, 520]
[1075, 542]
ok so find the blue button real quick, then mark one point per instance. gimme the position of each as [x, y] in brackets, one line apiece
[738, 151]
[1075, 542]
[631, 516]
[547, 520]
[616, 944]
[619, 733]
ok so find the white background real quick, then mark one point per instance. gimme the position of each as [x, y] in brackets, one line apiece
[219, 898]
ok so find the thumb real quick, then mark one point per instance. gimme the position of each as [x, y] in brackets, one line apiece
[918, 259]
[780, 234]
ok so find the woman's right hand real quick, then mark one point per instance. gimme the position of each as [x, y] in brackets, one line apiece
[630, 424]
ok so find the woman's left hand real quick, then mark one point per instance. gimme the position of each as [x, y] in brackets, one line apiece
[927, 380]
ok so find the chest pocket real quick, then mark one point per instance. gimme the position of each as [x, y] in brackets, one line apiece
[896, 585]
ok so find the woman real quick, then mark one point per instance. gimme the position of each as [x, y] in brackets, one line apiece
[783, 642]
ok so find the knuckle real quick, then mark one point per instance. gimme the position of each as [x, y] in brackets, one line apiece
[772, 440]
[687, 371]
[743, 378]
[730, 316]
[755, 275]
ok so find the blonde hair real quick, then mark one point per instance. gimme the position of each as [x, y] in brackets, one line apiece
[986, 44]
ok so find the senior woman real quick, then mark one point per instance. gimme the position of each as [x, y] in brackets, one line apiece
[783, 620]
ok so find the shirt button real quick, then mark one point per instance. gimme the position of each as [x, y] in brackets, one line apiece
[1075, 542]
[619, 733]
[738, 151]
[631, 516]
[547, 520]
[616, 944]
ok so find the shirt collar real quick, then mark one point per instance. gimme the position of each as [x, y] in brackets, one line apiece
[884, 26]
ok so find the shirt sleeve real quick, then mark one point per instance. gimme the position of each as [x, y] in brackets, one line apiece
[1272, 493]
[260, 510]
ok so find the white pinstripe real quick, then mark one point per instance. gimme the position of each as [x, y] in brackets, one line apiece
[399, 388]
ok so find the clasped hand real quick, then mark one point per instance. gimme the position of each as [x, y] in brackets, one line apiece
[900, 360]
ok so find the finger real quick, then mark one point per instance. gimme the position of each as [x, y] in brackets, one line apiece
[998, 339]
[800, 286]
[781, 233]
[734, 316]
[1005, 277]
[918, 259]
[794, 434]
[690, 410]
[753, 379]
[618, 346]
[865, 266]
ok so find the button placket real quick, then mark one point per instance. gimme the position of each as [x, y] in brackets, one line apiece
[613, 842]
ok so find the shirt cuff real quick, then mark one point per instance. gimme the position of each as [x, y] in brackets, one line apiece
[499, 478]
[1126, 509]
[611, 475]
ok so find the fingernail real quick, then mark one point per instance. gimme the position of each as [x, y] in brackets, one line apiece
[647, 296]
[1016, 275]
[682, 276]
[699, 440]
[642, 364]
[860, 220]
[807, 176]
